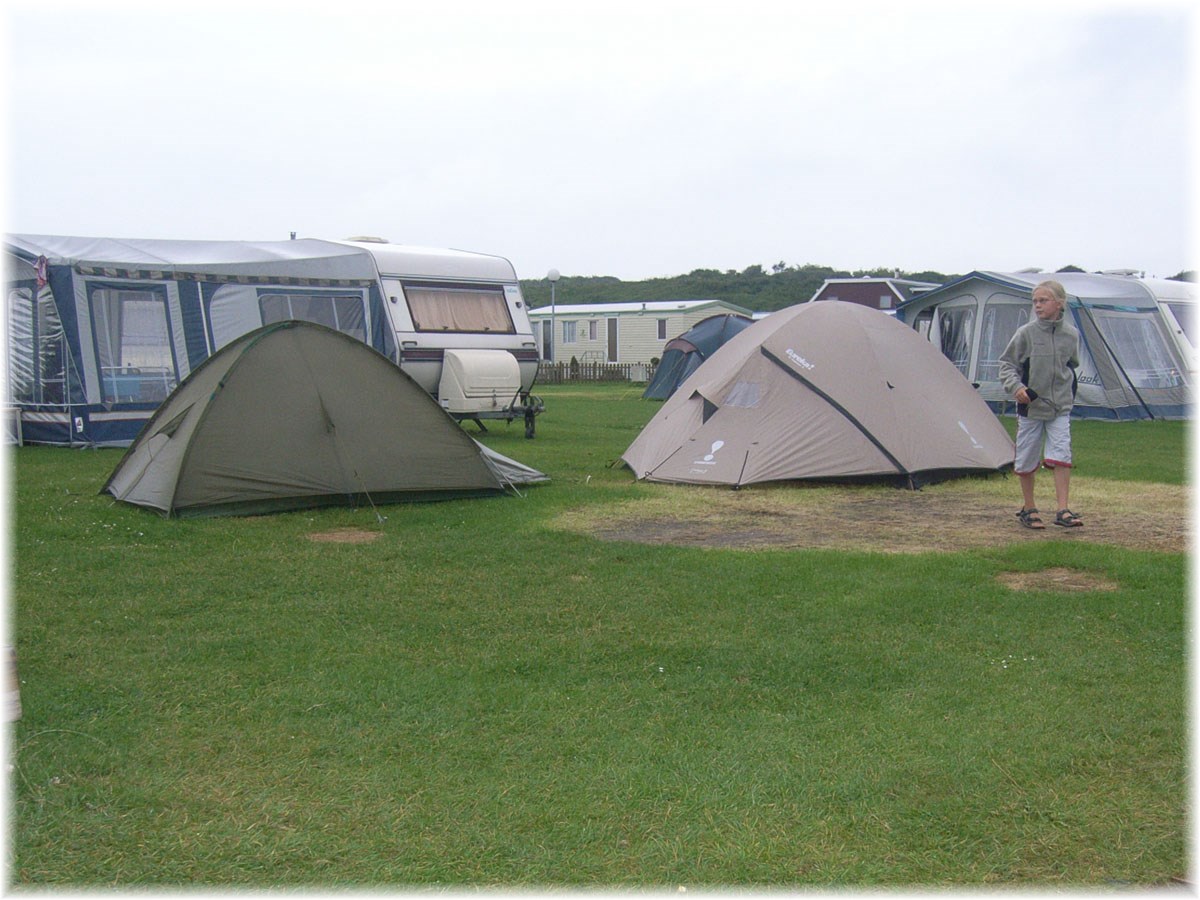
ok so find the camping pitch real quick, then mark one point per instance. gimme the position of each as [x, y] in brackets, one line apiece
[827, 390]
[296, 415]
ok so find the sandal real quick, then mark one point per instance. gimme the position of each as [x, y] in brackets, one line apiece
[1067, 519]
[1030, 518]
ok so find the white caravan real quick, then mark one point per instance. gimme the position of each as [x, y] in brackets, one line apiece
[100, 330]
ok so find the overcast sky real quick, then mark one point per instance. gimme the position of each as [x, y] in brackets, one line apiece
[636, 139]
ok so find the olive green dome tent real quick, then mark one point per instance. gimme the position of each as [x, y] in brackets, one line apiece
[297, 415]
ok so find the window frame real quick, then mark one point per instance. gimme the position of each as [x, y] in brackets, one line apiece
[953, 313]
[358, 331]
[987, 368]
[1146, 363]
[152, 386]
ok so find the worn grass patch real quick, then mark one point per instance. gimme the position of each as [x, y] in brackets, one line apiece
[957, 515]
[1057, 579]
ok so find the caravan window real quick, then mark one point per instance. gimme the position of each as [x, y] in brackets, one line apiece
[1001, 319]
[1140, 347]
[133, 343]
[458, 308]
[341, 312]
[956, 324]
[1185, 315]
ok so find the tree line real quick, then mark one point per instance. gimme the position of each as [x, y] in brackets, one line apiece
[754, 288]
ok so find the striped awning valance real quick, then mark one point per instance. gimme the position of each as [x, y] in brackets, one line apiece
[163, 275]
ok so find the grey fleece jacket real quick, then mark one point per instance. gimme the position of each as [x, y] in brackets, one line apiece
[1043, 357]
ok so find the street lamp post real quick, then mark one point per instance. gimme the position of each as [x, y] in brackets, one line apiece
[553, 276]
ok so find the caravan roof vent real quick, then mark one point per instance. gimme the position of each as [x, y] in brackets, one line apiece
[1127, 272]
[1032, 270]
[368, 239]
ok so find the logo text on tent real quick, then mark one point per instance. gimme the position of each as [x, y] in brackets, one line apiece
[710, 458]
[798, 359]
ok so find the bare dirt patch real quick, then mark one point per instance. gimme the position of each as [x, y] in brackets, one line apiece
[344, 536]
[955, 515]
[1056, 579]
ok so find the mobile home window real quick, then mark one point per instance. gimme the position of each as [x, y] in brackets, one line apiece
[133, 344]
[593, 329]
[459, 309]
[662, 329]
[569, 332]
[341, 312]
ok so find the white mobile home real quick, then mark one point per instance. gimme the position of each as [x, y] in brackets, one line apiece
[619, 332]
[1131, 364]
[101, 330]
[875, 292]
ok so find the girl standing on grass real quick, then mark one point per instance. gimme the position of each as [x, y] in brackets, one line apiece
[1038, 369]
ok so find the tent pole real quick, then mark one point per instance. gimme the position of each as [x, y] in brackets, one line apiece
[888, 455]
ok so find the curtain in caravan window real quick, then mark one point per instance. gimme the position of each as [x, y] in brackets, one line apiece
[458, 309]
[1001, 319]
[133, 345]
[956, 325]
[1140, 347]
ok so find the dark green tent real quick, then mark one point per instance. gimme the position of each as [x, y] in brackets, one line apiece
[683, 355]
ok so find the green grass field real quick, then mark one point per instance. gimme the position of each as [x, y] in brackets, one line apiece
[478, 697]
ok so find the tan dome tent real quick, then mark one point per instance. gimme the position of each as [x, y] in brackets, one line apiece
[296, 415]
[828, 390]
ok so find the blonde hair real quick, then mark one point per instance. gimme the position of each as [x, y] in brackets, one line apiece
[1055, 288]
